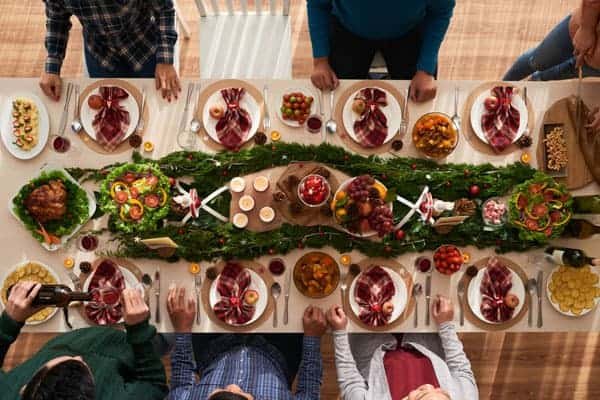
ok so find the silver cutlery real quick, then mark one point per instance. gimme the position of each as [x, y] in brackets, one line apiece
[76, 123]
[343, 287]
[267, 118]
[579, 108]
[331, 125]
[540, 282]
[531, 287]
[188, 97]
[321, 111]
[456, 117]
[197, 286]
[147, 282]
[140, 126]
[417, 290]
[461, 293]
[62, 126]
[404, 123]
[427, 299]
[275, 292]
[286, 289]
[157, 295]
[526, 101]
[76, 281]
[196, 124]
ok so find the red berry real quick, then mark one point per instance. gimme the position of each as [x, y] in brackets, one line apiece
[413, 166]
[271, 251]
[474, 190]
[400, 234]
[221, 241]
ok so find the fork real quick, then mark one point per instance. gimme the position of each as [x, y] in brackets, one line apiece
[197, 285]
[404, 122]
[461, 293]
[186, 107]
[140, 126]
[62, 126]
[267, 118]
[75, 279]
[343, 287]
[526, 131]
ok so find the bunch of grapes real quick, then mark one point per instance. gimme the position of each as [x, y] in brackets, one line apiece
[381, 220]
[358, 189]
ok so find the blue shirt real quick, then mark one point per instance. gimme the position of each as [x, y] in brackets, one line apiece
[383, 19]
[256, 370]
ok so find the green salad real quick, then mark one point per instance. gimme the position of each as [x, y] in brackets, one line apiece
[136, 196]
[70, 209]
[540, 209]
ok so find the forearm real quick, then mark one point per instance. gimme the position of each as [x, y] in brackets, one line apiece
[456, 359]
[310, 373]
[319, 23]
[58, 25]
[148, 367]
[437, 21]
[182, 362]
[590, 13]
[167, 33]
[9, 330]
[352, 384]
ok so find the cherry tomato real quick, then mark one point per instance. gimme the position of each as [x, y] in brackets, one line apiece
[152, 180]
[121, 197]
[135, 193]
[135, 213]
[129, 177]
[151, 201]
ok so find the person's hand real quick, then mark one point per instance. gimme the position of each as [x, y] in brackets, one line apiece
[314, 322]
[182, 311]
[442, 310]
[323, 76]
[21, 296]
[336, 317]
[584, 43]
[422, 87]
[167, 81]
[51, 85]
[135, 309]
[594, 120]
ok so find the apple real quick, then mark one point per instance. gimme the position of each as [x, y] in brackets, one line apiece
[216, 112]
[511, 300]
[251, 297]
[388, 308]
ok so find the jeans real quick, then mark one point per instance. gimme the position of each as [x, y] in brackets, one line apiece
[123, 70]
[351, 55]
[551, 60]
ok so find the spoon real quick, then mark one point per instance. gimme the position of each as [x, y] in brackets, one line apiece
[275, 292]
[331, 125]
[456, 118]
[416, 292]
[76, 123]
[195, 125]
[531, 287]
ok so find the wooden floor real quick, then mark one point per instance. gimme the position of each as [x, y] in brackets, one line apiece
[483, 40]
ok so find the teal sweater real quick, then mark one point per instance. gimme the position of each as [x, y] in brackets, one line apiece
[125, 365]
[382, 19]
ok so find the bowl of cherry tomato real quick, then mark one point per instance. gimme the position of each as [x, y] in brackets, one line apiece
[296, 107]
[447, 259]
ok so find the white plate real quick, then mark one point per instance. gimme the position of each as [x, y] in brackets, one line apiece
[6, 126]
[87, 114]
[256, 283]
[63, 239]
[399, 299]
[50, 270]
[478, 109]
[518, 289]
[367, 234]
[392, 112]
[248, 103]
[305, 92]
[131, 282]
[556, 306]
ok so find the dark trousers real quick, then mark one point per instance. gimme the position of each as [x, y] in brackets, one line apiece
[351, 55]
[123, 70]
[289, 345]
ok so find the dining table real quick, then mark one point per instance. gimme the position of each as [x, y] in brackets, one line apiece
[162, 129]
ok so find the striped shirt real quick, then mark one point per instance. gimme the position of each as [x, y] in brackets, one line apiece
[259, 371]
[115, 31]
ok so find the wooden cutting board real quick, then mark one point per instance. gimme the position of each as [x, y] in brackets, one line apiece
[564, 112]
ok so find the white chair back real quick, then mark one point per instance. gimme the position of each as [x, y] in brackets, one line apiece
[272, 7]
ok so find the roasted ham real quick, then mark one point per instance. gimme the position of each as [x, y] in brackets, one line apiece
[500, 120]
[373, 288]
[233, 127]
[112, 120]
[495, 285]
[371, 127]
[232, 284]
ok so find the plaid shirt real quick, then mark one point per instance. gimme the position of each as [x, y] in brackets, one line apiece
[115, 31]
[257, 370]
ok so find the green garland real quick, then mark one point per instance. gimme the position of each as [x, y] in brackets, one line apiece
[209, 239]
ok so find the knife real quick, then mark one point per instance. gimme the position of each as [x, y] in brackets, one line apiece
[540, 282]
[427, 298]
[286, 289]
[579, 108]
[157, 295]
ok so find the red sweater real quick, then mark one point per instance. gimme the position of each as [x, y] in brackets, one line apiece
[406, 370]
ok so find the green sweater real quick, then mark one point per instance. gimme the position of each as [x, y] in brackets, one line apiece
[125, 365]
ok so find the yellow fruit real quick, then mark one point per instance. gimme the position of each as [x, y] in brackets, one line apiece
[340, 195]
[340, 213]
[381, 189]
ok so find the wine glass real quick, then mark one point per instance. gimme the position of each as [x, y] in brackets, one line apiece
[187, 140]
